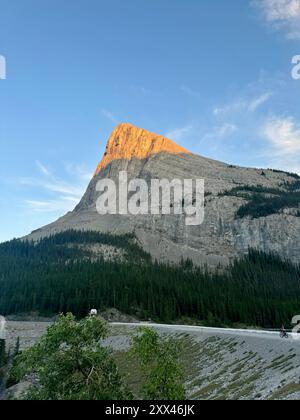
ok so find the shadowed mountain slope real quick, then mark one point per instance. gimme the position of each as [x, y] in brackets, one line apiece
[244, 208]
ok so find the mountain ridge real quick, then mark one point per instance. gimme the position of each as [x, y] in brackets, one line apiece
[223, 236]
[128, 141]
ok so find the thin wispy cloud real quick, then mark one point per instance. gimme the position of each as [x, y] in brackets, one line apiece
[242, 105]
[50, 206]
[141, 90]
[256, 103]
[196, 136]
[189, 91]
[229, 131]
[42, 168]
[226, 130]
[78, 171]
[283, 134]
[109, 116]
[282, 138]
[180, 134]
[220, 132]
[281, 14]
[62, 195]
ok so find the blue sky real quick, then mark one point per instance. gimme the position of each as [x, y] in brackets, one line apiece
[215, 76]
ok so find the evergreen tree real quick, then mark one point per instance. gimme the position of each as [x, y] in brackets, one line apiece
[61, 274]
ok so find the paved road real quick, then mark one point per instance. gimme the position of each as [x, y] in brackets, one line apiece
[212, 331]
[30, 332]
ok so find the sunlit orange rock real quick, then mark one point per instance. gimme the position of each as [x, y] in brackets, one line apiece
[128, 142]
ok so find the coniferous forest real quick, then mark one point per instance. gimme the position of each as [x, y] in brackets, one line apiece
[3, 361]
[52, 276]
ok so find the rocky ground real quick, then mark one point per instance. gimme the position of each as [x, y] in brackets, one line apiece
[232, 364]
[219, 364]
[27, 332]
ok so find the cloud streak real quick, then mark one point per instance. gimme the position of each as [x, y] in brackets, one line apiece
[62, 195]
[220, 132]
[42, 168]
[109, 116]
[281, 14]
[180, 134]
[243, 105]
[50, 206]
[189, 91]
[283, 134]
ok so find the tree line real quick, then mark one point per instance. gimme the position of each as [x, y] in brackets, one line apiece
[263, 202]
[51, 277]
[69, 362]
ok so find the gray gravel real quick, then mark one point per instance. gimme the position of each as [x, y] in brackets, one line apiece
[228, 364]
[238, 364]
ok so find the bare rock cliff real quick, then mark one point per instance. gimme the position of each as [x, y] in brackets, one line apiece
[222, 236]
[129, 142]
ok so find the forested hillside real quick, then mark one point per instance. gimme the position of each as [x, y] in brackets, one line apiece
[3, 361]
[52, 277]
[263, 202]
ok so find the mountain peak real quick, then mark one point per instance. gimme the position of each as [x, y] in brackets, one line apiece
[128, 142]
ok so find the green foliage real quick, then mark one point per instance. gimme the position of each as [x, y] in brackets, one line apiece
[17, 348]
[70, 244]
[51, 278]
[70, 364]
[263, 202]
[187, 264]
[245, 191]
[261, 206]
[3, 357]
[3, 362]
[159, 363]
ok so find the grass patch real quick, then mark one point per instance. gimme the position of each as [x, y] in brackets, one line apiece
[285, 391]
[281, 362]
[206, 391]
[129, 369]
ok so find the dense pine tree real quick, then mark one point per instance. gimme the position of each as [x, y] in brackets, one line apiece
[3, 361]
[52, 277]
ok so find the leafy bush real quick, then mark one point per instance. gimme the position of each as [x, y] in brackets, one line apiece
[159, 364]
[70, 364]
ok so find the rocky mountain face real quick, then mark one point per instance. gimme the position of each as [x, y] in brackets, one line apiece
[243, 207]
[128, 142]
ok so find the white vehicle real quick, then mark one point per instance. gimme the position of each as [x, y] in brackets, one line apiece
[93, 312]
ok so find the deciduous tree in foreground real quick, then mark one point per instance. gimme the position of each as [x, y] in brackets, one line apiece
[71, 363]
[159, 362]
